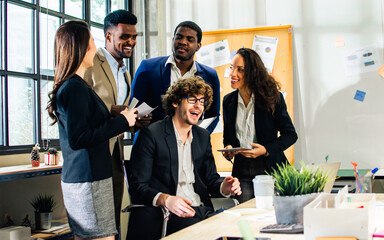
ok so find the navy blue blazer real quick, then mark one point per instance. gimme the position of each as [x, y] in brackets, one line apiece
[267, 127]
[85, 127]
[153, 78]
[155, 165]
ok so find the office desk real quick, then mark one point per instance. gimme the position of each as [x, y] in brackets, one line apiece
[225, 224]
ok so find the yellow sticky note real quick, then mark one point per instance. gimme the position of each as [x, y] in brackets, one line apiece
[381, 71]
[339, 41]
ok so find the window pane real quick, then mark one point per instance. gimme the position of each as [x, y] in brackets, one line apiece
[98, 11]
[48, 27]
[47, 131]
[19, 37]
[117, 4]
[74, 8]
[51, 4]
[98, 35]
[20, 111]
[30, 1]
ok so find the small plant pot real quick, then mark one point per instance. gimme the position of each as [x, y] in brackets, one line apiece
[43, 220]
[35, 163]
[290, 209]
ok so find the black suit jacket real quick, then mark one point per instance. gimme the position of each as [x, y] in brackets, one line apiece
[154, 164]
[154, 169]
[267, 127]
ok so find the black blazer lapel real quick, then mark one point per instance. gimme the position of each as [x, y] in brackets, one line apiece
[232, 106]
[170, 140]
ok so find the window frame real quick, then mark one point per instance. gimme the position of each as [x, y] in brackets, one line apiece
[36, 75]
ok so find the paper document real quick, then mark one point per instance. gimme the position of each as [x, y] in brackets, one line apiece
[206, 122]
[144, 109]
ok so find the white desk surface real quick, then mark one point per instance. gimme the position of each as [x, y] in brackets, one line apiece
[225, 224]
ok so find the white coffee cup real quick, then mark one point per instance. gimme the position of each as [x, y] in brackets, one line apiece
[263, 187]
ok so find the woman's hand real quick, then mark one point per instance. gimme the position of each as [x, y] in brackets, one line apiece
[258, 150]
[130, 115]
[229, 155]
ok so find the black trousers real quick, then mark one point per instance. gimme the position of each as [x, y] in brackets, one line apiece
[145, 223]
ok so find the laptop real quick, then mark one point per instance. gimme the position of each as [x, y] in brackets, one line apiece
[331, 169]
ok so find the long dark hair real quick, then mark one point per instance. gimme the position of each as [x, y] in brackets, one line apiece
[264, 87]
[71, 45]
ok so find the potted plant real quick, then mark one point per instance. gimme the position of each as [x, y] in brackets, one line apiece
[293, 190]
[43, 205]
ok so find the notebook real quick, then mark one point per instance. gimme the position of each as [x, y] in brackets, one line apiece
[331, 169]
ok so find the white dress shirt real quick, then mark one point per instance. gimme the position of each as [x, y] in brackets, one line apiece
[245, 122]
[118, 74]
[175, 71]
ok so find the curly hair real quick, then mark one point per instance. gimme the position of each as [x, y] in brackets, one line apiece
[71, 45]
[256, 77]
[191, 86]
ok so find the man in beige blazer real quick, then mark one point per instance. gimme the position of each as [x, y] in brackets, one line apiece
[110, 79]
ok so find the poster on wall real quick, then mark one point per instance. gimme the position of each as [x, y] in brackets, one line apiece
[361, 60]
[266, 48]
[215, 54]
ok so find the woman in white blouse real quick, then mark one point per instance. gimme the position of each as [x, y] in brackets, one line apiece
[253, 116]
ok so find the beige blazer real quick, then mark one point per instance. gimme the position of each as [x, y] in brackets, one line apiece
[102, 81]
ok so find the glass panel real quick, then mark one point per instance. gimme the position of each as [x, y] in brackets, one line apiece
[98, 35]
[47, 131]
[98, 11]
[30, 1]
[117, 4]
[74, 8]
[2, 35]
[20, 111]
[51, 4]
[48, 27]
[20, 39]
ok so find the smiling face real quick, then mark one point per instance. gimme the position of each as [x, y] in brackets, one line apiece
[186, 113]
[236, 72]
[120, 41]
[185, 44]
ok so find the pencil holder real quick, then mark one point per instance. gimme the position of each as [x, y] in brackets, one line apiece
[363, 184]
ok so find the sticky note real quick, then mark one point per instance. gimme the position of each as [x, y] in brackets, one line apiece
[233, 52]
[339, 41]
[359, 95]
[226, 74]
[381, 71]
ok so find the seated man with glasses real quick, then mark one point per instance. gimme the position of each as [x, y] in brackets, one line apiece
[173, 166]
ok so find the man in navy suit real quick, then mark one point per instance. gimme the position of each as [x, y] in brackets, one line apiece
[154, 76]
[173, 166]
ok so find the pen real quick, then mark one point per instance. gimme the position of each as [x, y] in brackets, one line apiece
[370, 174]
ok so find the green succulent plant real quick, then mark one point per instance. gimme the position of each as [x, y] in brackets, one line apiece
[290, 182]
[43, 203]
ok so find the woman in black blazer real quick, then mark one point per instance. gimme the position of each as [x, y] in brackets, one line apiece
[85, 127]
[253, 116]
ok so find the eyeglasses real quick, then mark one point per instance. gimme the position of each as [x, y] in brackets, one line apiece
[193, 100]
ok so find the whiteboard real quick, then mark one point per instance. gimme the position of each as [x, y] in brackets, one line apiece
[329, 121]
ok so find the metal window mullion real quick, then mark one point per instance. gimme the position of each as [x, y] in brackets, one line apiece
[5, 81]
[37, 101]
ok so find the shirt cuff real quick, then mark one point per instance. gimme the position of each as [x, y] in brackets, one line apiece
[155, 199]
[221, 191]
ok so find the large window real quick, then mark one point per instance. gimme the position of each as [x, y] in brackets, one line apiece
[27, 64]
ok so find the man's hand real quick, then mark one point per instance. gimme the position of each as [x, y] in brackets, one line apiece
[143, 121]
[258, 150]
[231, 185]
[117, 109]
[177, 205]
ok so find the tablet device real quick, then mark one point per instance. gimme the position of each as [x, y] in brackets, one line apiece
[233, 149]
